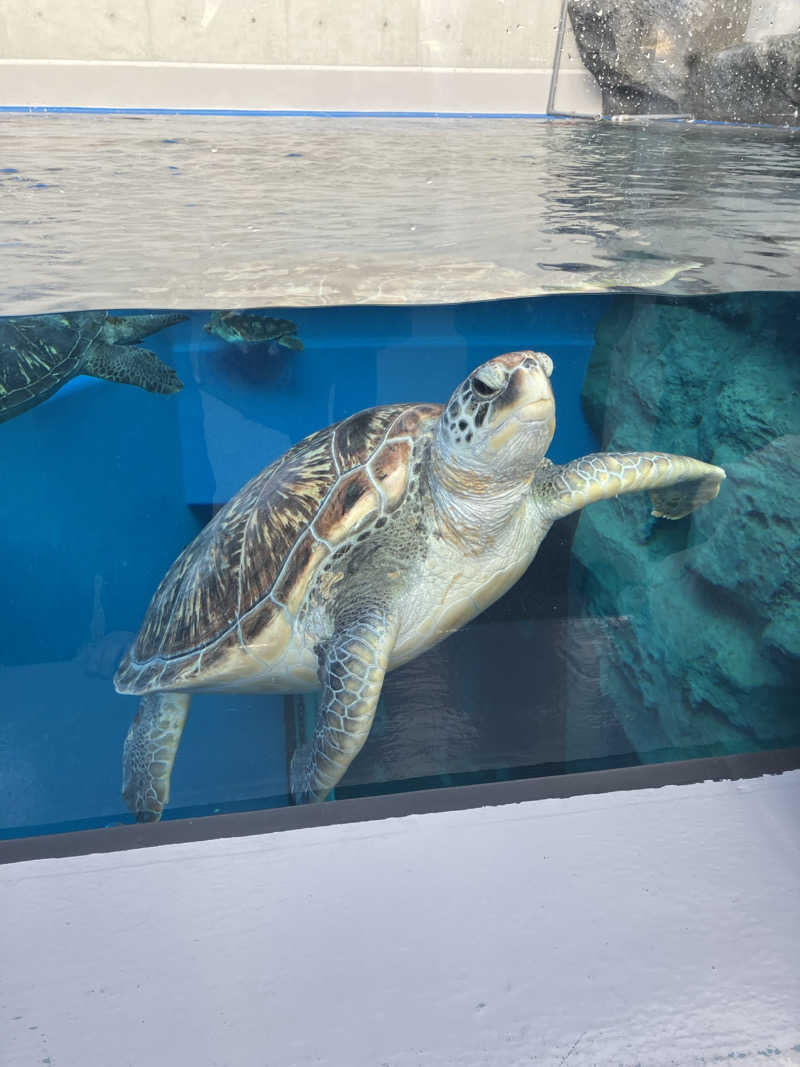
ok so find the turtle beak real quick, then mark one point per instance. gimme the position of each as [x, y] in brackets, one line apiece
[527, 400]
[529, 396]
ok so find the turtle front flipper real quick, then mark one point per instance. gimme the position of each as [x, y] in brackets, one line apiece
[131, 366]
[352, 666]
[677, 484]
[126, 329]
[149, 753]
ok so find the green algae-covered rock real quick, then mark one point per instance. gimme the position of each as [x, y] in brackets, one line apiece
[704, 653]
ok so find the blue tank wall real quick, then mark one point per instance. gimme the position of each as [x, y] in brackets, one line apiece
[249, 408]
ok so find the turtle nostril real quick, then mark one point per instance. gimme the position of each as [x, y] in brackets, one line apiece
[540, 361]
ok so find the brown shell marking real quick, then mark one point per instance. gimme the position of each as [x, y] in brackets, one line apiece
[413, 417]
[293, 584]
[389, 468]
[41, 352]
[270, 534]
[351, 505]
[232, 564]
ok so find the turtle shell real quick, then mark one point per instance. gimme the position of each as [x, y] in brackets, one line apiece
[228, 603]
[38, 353]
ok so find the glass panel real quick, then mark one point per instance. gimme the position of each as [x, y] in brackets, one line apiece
[629, 638]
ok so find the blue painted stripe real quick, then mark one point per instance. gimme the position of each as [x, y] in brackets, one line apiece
[236, 112]
[20, 109]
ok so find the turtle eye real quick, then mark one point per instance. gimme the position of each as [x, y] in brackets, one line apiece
[483, 389]
[489, 380]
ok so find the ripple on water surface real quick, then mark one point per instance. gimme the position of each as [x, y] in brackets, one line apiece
[188, 211]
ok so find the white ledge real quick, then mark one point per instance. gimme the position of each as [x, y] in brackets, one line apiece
[655, 927]
[223, 86]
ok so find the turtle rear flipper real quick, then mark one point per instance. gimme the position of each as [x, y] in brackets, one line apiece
[132, 366]
[291, 342]
[149, 753]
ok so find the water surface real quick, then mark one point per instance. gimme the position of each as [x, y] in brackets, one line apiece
[184, 211]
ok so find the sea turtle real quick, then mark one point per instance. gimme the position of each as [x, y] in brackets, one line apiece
[249, 328]
[361, 547]
[39, 353]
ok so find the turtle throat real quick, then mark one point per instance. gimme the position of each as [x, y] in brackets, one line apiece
[473, 507]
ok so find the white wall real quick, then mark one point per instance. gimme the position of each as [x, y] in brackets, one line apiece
[655, 927]
[427, 33]
[772, 16]
[458, 55]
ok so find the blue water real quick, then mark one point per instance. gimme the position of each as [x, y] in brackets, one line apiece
[104, 485]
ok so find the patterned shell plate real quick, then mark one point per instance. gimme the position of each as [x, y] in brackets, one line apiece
[40, 352]
[256, 559]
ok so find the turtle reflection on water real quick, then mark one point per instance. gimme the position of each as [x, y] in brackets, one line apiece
[360, 548]
[39, 353]
[249, 328]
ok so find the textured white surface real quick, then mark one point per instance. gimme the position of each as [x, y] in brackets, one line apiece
[431, 33]
[658, 928]
[249, 87]
[772, 16]
[422, 55]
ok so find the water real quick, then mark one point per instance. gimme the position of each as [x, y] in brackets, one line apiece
[629, 639]
[132, 211]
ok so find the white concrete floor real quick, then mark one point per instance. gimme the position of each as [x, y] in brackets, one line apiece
[657, 927]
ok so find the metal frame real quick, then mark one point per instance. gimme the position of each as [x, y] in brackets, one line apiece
[551, 96]
[397, 805]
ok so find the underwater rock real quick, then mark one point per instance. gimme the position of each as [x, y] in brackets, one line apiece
[760, 529]
[707, 654]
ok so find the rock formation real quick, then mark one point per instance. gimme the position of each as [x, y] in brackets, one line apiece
[704, 656]
[690, 57]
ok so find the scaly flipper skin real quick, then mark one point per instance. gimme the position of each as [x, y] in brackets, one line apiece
[351, 669]
[128, 329]
[131, 366]
[677, 484]
[149, 753]
[292, 342]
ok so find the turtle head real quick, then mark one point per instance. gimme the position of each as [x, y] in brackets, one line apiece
[499, 422]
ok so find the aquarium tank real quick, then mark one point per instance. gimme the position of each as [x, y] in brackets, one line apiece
[442, 591]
